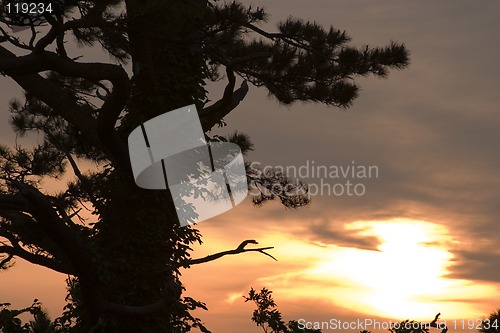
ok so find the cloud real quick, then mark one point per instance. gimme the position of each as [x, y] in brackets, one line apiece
[323, 231]
[476, 265]
[432, 130]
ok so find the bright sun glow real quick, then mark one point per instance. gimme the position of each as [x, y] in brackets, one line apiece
[405, 277]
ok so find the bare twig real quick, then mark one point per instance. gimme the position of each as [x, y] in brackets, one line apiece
[240, 249]
[435, 324]
[6, 260]
[213, 114]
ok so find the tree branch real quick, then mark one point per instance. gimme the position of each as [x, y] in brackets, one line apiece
[36, 259]
[17, 250]
[240, 249]
[45, 215]
[55, 227]
[14, 202]
[66, 239]
[58, 28]
[289, 40]
[50, 94]
[99, 133]
[435, 324]
[213, 114]
[13, 40]
[40, 61]
[6, 260]
[76, 170]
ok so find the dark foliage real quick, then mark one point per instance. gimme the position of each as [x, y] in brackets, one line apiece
[124, 261]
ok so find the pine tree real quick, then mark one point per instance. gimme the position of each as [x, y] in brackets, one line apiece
[124, 266]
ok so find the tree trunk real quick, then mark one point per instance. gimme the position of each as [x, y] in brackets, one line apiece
[139, 237]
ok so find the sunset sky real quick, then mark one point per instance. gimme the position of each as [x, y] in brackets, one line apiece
[422, 239]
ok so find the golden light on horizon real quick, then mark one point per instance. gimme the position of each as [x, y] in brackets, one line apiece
[406, 277]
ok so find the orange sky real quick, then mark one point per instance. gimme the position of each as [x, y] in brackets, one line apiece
[421, 240]
[406, 277]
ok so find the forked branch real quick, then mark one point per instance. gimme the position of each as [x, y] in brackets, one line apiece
[213, 114]
[240, 249]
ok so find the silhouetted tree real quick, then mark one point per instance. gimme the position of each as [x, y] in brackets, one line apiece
[409, 326]
[492, 323]
[124, 266]
[268, 317]
[41, 323]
